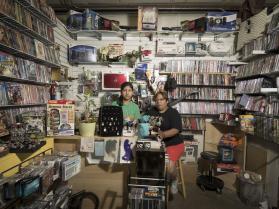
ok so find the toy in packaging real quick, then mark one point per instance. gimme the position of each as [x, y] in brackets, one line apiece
[61, 117]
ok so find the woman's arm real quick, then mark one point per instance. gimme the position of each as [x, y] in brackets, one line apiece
[168, 133]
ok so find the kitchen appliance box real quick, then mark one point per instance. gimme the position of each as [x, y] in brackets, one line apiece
[60, 117]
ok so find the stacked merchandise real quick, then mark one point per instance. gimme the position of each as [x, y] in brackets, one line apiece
[205, 93]
[14, 67]
[193, 123]
[204, 108]
[27, 134]
[254, 47]
[16, 11]
[196, 79]
[22, 94]
[43, 183]
[267, 128]
[13, 40]
[262, 66]
[90, 20]
[259, 73]
[199, 66]
[26, 57]
[227, 153]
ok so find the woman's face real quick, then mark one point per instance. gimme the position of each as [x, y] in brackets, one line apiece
[127, 93]
[161, 102]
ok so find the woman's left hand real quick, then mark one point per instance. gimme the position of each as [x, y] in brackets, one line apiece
[161, 134]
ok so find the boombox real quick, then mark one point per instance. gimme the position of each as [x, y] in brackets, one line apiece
[221, 21]
[170, 47]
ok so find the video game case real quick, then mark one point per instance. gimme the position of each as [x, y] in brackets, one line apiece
[204, 79]
[253, 85]
[260, 66]
[272, 41]
[193, 123]
[203, 108]
[199, 66]
[204, 93]
[256, 44]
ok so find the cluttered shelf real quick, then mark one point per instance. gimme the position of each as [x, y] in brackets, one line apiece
[206, 86]
[21, 54]
[24, 29]
[254, 55]
[9, 162]
[210, 73]
[22, 105]
[271, 74]
[209, 100]
[19, 80]
[39, 13]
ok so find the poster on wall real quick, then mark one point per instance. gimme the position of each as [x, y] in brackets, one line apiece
[127, 146]
[111, 150]
[98, 155]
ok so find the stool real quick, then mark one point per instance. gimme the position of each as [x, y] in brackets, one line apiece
[180, 178]
[209, 182]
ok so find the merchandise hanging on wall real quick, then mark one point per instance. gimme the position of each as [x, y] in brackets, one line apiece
[127, 145]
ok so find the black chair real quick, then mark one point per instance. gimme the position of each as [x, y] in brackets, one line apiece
[209, 182]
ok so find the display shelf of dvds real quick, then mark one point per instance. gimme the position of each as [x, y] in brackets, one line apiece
[209, 100]
[19, 80]
[254, 55]
[210, 73]
[268, 75]
[39, 13]
[24, 29]
[206, 86]
[99, 63]
[199, 115]
[21, 54]
[21, 105]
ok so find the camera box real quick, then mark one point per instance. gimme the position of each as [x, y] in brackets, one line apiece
[60, 117]
[221, 21]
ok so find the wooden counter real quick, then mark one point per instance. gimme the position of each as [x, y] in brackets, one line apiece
[107, 181]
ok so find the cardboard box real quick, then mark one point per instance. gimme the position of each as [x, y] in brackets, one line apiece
[60, 117]
[221, 21]
[147, 18]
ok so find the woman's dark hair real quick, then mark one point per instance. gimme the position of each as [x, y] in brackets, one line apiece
[123, 85]
[163, 93]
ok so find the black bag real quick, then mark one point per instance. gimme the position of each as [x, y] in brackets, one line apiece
[170, 84]
[75, 201]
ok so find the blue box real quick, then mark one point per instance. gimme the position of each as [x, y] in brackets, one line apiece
[221, 21]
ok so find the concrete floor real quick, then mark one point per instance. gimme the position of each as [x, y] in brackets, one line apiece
[197, 199]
